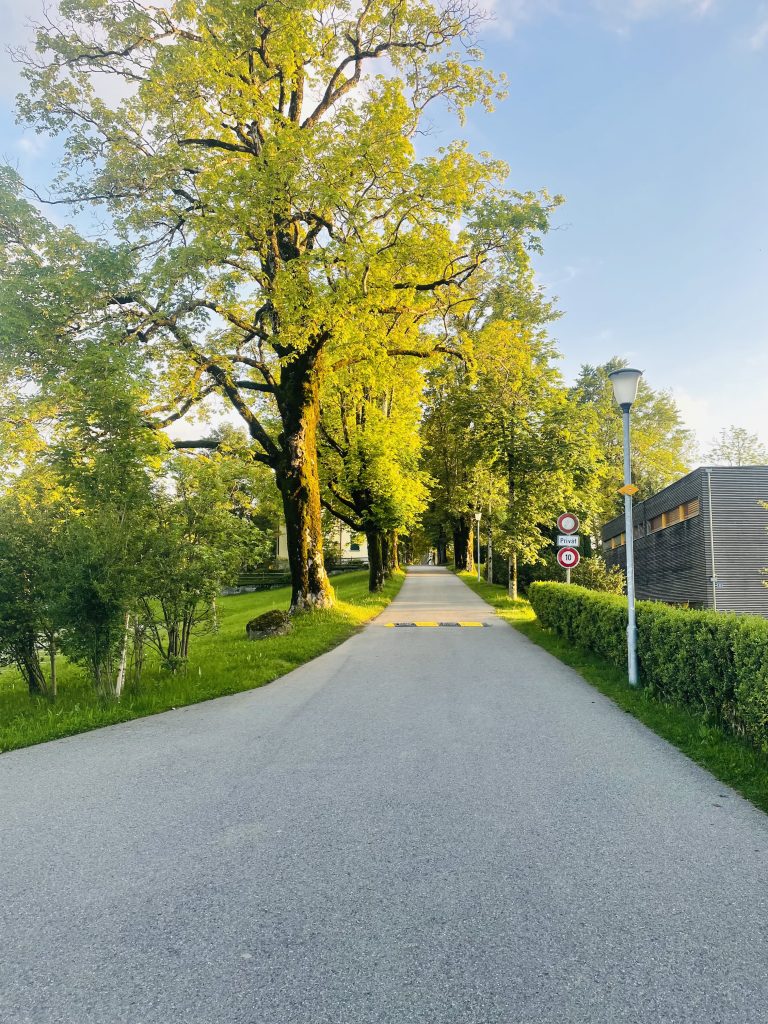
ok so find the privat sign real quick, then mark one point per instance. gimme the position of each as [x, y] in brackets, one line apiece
[568, 540]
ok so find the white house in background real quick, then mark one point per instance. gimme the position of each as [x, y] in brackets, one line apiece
[347, 545]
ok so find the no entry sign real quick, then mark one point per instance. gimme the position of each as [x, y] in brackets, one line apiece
[568, 523]
[568, 558]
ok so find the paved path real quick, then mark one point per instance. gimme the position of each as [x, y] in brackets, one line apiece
[425, 826]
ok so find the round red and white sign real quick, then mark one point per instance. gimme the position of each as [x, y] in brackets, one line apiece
[568, 523]
[568, 558]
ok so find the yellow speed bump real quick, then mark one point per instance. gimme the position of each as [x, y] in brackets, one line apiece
[434, 625]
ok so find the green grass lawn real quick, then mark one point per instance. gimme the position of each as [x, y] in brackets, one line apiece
[220, 663]
[727, 757]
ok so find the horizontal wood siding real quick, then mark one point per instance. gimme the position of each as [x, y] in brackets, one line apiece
[741, 538]
[670, 565]
[675, 564]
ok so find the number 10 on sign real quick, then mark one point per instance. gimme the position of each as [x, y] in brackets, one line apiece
[568, 558]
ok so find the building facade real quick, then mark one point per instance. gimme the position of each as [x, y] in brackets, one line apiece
[701, 542]
[345, 546]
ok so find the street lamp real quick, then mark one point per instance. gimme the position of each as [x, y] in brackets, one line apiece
[625, 384]
[478, 517]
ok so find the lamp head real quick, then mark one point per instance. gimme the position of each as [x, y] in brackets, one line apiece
[478, 516]
[625, 384]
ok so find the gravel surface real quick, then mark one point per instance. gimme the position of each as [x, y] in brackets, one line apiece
[425, 826]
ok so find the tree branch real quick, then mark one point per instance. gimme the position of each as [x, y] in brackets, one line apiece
[357, 527]
[253, 385]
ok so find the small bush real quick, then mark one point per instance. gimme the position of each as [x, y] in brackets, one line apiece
[708, 661]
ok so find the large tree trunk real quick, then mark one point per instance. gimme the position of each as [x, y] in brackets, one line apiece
[386, 555]
[376, 573]
[299, 483]
[463, 555]
[442, 550]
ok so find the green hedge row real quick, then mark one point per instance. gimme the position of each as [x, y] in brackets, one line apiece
[712, 662]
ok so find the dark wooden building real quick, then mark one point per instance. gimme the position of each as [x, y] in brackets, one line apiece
[701, 542]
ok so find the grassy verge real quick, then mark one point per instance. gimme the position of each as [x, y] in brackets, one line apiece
[221, 663]
[725, 756]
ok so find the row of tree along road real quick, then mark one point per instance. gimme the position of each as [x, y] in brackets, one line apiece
[256, 237]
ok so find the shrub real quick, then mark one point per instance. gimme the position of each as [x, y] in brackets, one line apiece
[711, 662]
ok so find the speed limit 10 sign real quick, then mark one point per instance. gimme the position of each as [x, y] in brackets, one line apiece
[568, 523]
[568, 558]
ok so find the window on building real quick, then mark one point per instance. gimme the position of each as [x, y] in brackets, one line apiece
[354, 547]
[678, 514]
[617, 542]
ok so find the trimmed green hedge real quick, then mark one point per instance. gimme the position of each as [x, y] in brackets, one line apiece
[712, 662]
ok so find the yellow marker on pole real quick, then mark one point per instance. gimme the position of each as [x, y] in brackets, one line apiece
[629, 490]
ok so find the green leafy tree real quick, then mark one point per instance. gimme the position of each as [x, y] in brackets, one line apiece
[107, 460]
[662, 446]
[454, 459]
[538, 440]
[199, 537]
[371, 455]
[30, 524]
[735, 446]
[267, 181]
[504, 436]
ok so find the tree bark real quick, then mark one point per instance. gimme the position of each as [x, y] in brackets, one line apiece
[442, 550]
[386, 555]
[489, 559]
[513, 576]
[122, 671]
[28, 662]
[394, 552]
[299, 482]
[375, 560]
[463, 555]
[52, 662]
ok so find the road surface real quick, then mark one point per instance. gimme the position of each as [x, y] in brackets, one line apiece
[429, 825]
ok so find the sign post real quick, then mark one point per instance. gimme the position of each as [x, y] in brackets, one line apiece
[568, 558]
[568, 543]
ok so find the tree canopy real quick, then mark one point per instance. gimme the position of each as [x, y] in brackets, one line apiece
[662, 446]
[735, 446]
[261, 171]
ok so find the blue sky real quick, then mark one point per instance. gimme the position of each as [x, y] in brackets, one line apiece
[651, 117]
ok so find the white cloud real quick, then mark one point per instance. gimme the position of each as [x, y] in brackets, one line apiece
[31, 145]
[506, 15]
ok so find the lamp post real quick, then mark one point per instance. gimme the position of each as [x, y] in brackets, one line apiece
[625, 384]
[478, 517]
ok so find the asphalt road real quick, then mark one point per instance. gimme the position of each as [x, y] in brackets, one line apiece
[425, 826]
